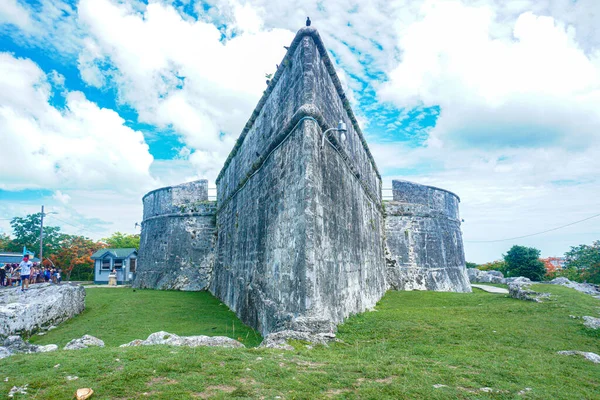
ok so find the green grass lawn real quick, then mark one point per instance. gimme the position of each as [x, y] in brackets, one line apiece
[413, 341]
[121, 315]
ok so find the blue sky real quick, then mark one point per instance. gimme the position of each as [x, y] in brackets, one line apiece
[498, 101]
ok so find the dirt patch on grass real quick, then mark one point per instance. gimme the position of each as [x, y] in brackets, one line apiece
[387, 380]
[161, 380]
[336, 392]
[212, 390]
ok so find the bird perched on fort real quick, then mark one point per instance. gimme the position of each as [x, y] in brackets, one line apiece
[307, 21]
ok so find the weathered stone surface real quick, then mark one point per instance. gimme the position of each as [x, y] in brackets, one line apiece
[586, 288]
[41, 306]
[83, 343]
[15, 344]
[300, 226]
[518, 279]
[278, 340]
[591, 322]
[177, 239]
[477, 276]
[171, 339]
[593, 357]
[424, 240]
[522, 291]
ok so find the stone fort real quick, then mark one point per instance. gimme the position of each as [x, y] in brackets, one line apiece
[299, 237]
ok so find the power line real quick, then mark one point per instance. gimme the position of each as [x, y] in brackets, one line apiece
[74, 226]
[533, 234]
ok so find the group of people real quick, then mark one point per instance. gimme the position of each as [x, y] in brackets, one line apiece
[26, 272]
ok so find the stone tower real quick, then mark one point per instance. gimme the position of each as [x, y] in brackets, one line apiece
[300, 229]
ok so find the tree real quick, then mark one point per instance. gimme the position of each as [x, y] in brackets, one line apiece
[524, 261]
[8, 244]
[26, 232]
[120, 240]
[74, 254]
[471, 265]
[586, 260]
[498, 265]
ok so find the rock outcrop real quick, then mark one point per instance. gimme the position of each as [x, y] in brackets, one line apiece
[478, 276]
[586, 288]
[171, 339]
[593, 357]
[522, 291]
[83, 343]
[38, 308]
[15, 344]
[591, 322]
[278, 340]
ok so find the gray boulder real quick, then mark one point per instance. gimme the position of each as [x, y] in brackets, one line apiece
[278, 340]
[522, 291]
[83, 343]
[4, 352]
[593, 357]
[518, 279]
[171, 339]
[15, 344]
[591, 322]
[478, 276]
[580, 287]
[42, 306]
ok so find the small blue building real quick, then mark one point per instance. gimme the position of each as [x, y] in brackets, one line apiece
[123, 261]
[15, 258]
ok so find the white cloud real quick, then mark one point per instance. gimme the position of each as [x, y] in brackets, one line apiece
[13, 13]
[61, 197]
[82, 145]
[178, 73]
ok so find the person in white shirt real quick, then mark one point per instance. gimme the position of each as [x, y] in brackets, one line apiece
[25, 267]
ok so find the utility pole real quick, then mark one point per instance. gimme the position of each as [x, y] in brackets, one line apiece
[42, 237]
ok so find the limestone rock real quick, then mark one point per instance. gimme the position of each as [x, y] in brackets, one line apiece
[278, 340]
[83, 343]
[478, 276]
[15, 344]
[586, 288]
[41, 306]
[522, 291]
[591, 322]
[171, 339]
[4, 352]
[518, 279]
[593, 357]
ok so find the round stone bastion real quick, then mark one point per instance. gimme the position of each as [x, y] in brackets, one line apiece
[424, 241]
[178, 238]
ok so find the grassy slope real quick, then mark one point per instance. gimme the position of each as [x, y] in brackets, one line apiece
[413, 341]
[121, 315]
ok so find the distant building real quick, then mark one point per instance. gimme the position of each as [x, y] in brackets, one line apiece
[123, 261]
[15, 258]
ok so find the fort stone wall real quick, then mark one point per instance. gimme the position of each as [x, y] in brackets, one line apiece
[178, 238]
[300, 243]
[424, 240]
